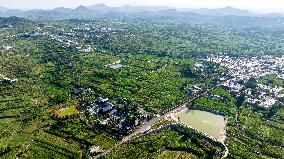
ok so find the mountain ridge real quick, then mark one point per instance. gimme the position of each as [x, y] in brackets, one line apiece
[137, 8]
[101, 9]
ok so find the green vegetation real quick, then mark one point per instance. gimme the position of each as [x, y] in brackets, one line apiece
[158, 57]
[169, 142]
[67, 112]
[226, 106]
[255, 137]
[251, 133]
[271, 80]
[171, 154]
[161, 123]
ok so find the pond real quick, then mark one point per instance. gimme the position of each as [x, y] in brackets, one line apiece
[206, 122]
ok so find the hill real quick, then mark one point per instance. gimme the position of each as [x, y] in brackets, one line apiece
[14, 22]
[221, 11]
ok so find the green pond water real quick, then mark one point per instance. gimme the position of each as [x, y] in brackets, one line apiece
[206, 122]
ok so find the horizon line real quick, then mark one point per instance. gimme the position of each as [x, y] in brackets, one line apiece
[249, 9]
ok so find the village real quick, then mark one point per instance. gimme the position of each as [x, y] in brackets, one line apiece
[244, 70]
[69, 36]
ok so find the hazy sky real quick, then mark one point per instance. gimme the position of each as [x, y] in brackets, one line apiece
[246, 4]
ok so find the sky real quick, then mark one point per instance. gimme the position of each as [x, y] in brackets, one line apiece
[243, 4]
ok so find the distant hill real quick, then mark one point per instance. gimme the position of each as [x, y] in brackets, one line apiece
[135, 9]
[100, 6]
[14, 22]
[102, 9]
[93, 11]
[221, 11]
[62, 10]
[228, 16]
[82, 9]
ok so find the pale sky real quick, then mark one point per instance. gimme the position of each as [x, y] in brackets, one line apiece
[47, 4]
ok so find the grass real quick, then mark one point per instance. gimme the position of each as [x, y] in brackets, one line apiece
[169, 143]
[67, 112]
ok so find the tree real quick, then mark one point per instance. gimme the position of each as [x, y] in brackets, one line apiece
[240, 100]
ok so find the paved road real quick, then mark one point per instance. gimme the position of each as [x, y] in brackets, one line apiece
[141, 129]
[147, 125]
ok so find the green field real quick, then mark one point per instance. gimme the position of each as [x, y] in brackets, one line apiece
[67, 112]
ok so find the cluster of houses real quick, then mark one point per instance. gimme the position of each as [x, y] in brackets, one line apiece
[96, 31]
[200, 67]
[29, 35]
[246, 67]
[70, 42]
[267, 97]
[25, 35]
[66, 37]
[6, 80]
[85, 48]
[194, 91]
[217, 97]
[111, 116]
[95, 149]
[69, 36]
[115, 65]
[241, 69]
[78, 91]
[5, 48]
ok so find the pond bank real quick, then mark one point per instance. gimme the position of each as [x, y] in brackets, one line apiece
[211, 124]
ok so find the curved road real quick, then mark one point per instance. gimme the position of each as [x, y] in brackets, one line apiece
[147, 125]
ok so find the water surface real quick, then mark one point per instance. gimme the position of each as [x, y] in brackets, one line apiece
[206, 122]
